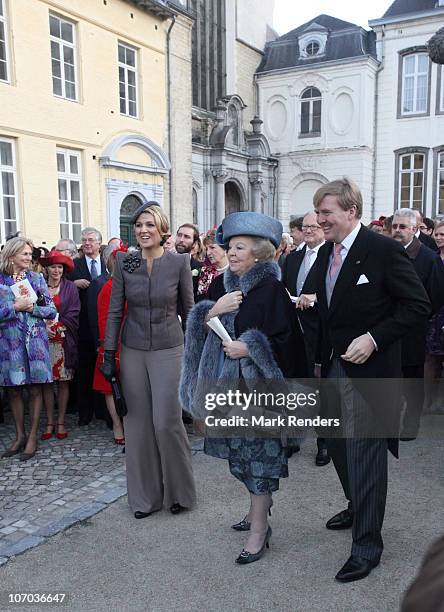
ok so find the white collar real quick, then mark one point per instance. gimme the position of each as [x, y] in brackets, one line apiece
[349, 240]
[316, 248]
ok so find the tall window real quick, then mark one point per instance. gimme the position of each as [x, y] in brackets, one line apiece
[440, 185]
[415, 83]
[127, 80]
[208, 52]
[70, 193]
[311, 103]
[411, 181]
[441, 95]
[8, 198]
[4, 71]
[63, 57]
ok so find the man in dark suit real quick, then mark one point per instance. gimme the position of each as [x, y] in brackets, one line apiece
[369, 296]
[423, 236]
[430, 270]
[298, 275]
[86, 269]
[186, 238]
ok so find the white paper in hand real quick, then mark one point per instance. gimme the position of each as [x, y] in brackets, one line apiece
[215, 325]
[23, 289]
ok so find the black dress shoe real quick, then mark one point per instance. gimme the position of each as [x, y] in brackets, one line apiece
[139, 515]
[355, 568]
[342, 520]
[177, 509]
[322, 457]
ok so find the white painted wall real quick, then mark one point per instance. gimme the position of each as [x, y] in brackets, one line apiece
[393, 133]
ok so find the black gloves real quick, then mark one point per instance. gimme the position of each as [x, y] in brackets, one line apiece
[108, 368]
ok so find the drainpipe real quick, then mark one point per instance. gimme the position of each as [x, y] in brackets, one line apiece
[172, 214]
[375, 123]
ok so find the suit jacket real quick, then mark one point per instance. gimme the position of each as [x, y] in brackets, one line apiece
[81, 271]
[429, 268]
[93, 316]
[308, 319]
[428, 241]
[151, 321]
[388, 306]
[195, 265]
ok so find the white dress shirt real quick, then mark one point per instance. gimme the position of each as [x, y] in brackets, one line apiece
[98, 264]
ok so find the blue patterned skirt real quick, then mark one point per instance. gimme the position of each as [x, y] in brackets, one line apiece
[257, 462]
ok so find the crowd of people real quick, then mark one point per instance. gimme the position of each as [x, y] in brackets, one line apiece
[332, 299]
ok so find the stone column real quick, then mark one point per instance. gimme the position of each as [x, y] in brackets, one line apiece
[220, 176]
[256, 184]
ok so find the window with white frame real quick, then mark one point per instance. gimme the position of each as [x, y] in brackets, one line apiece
[8, 190]
[127, 57]
[441, 98]
[311, 103]
[411, 181]
[415, 83]
[440, 185]
[4, 51]
[63, 57]
[69, 176]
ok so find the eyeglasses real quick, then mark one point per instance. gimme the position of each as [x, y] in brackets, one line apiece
[401, 226]
[312, 228]
[423, 228]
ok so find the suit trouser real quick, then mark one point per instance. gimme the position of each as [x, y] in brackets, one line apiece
[361, 464]
[86, 396]
[158, 454]
[413, 385]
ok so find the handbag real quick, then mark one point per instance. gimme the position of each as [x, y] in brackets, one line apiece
[119, 400]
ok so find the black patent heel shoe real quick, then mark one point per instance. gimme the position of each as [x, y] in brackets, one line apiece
[177, 509]
[11, 452]
[248, 557]
[244, 524]
[140, 515]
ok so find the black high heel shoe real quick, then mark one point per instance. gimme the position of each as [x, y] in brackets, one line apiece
[140, 515]
[245, 525]
[248, 557]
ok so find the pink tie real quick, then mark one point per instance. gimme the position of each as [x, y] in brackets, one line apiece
[337, 261]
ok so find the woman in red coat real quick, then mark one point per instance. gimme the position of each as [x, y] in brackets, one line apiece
[99, 383]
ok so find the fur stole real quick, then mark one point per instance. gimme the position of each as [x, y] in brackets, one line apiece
[200, 369]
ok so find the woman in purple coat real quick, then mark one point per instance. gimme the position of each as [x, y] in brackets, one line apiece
[62, 334]
[24, 351]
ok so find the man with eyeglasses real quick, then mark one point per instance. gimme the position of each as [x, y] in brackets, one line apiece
[87, 268]
[430, 270]
[67, 247]
[298, 274]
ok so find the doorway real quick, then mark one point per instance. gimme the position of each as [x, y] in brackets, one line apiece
[129, 206]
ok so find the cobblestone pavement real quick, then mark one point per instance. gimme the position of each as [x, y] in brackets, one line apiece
[67, 481]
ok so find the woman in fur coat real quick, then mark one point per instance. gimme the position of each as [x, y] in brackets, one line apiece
[255, 309]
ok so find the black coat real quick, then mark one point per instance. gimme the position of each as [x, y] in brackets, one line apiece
[268, 308]
[429, 268]
[195, 265]
[308, 319]
[388, 306]
[428, 241]
[81, 271]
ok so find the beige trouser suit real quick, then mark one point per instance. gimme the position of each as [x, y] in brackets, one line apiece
[158, 456]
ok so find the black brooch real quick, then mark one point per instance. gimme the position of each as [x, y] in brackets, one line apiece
[131, 262]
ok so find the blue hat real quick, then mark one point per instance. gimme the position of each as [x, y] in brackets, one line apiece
[249, 224]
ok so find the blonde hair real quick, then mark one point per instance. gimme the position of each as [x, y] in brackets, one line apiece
[263, 249]
[160, 220]
[12, 248]
[345, 190]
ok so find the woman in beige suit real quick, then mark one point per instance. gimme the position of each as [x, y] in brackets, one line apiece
[152, 282]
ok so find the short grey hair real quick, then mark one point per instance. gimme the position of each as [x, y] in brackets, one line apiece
[70, 246]
[407, 213]
[263, 249]
[91, 230]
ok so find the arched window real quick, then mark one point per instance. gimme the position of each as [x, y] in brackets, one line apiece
[311, 102]
[312, 48]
